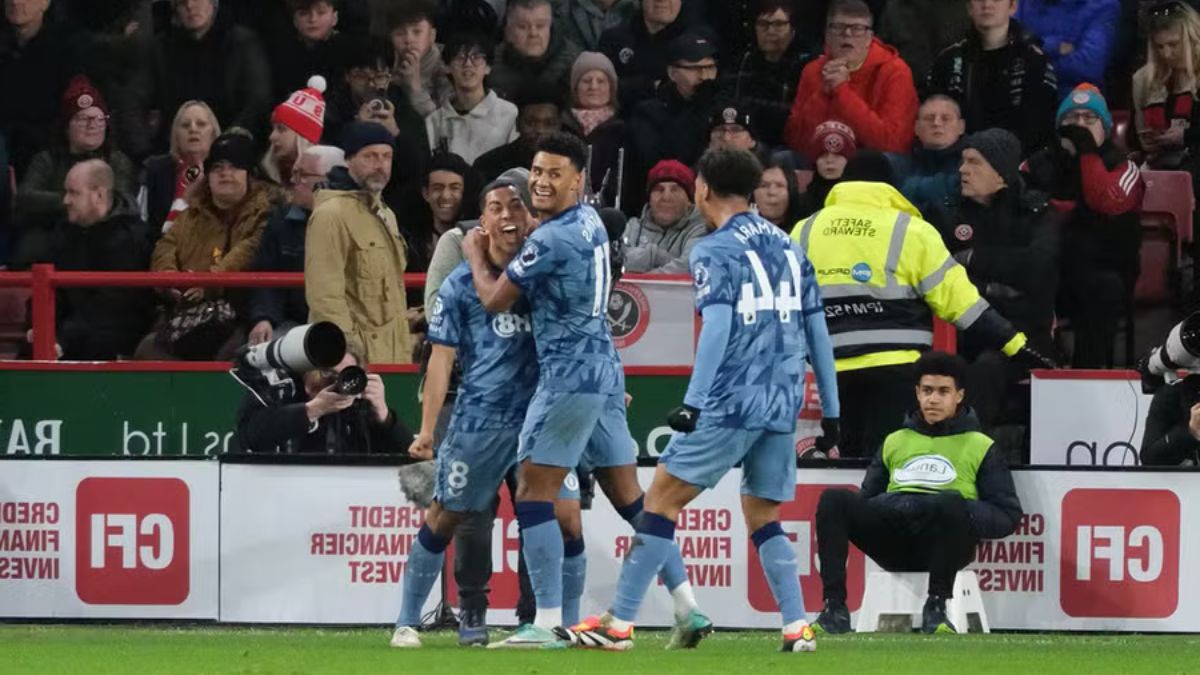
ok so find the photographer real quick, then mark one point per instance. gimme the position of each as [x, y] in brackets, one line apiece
[318, 419]
[1172, 435]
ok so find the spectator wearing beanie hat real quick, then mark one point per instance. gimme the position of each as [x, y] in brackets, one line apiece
[662, 238]
[593, 116]
[1009, 240]
[219, 232]
[732, 127]
[832, 145]
[83, 117]
[354, 253]
[1099, 190]
[296, 125]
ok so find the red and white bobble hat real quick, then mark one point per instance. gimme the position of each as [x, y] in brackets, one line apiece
[304, 111]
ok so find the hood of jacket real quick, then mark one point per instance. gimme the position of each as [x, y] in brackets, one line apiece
[964, 421]
[338, 184]
[877, 195]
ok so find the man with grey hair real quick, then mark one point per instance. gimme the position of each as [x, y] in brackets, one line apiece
[282, 249]
[102, 232]
[354, 255]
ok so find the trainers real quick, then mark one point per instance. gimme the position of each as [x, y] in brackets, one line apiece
[803, 641]
[933, 617]
[530, 636]
[834, 618]
[472, 628]
[405, 637]
[596, 632]
[690, 630]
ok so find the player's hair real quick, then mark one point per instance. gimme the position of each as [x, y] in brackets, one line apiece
[854, 9]
[943, 364]
[566, 145]
[730, 173]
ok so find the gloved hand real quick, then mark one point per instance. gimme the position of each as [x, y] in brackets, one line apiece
[683, 418]
[831, 435]
[1080, 139]
[1032, 359]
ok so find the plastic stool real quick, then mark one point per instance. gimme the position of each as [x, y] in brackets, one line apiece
[903, 593]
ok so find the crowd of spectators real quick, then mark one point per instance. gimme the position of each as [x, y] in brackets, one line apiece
[228, 135]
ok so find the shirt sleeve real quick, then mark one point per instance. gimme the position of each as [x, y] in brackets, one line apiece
[443, 317]
[535, 261]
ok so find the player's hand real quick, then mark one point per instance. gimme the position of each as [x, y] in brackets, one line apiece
[374, 394]
[326, 402]
[831, 435]
[683, 418]
[422, 447]
[628, 399]
[261, 332]
[472, 245]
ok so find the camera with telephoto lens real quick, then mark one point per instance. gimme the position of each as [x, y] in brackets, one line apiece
[1179, 352]
[271, 367]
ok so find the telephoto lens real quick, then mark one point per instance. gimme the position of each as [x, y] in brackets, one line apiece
[352, 381]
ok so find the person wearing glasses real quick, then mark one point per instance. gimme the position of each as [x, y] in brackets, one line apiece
[1102, 236]
[639, 48]
[768, 71]
[475, 119]
[84, 118]
[858, 81]
[999, 76]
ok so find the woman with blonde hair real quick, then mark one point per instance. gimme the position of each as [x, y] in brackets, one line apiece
[166, 178]
[296, 126]
[1165, 89]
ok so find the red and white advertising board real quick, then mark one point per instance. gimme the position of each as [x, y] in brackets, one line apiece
[96, 539]
[654, 321]
[314, 544]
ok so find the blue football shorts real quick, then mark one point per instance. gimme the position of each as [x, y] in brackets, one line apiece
[705, 455]
[471, 466]
[566, 429]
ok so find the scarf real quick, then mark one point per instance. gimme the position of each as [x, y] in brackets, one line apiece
[590, 119]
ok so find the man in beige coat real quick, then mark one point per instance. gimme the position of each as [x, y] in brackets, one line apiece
[354, 256]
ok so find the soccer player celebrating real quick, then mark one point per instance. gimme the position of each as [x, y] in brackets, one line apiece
[578, 410]
[762, 315]
[499, 374]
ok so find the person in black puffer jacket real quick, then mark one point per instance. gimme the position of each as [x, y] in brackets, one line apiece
[1008, 239]
[1099, 189]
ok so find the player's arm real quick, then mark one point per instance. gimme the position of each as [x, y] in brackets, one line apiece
[716, 312]
[497, 293]
[433, 397]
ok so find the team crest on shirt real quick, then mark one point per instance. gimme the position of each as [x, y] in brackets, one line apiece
[625, 55]
[628, 314]
[964, 232]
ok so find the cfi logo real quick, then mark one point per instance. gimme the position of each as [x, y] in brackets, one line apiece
[1120, 553]
[132, 537]
[628, 314]
[861, 273]
[507, 324]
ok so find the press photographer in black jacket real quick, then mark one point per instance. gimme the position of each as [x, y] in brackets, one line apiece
[1172, 435]
[315, 418]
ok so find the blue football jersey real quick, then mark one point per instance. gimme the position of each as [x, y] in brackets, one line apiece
[755, 268]
[495, 351]
[563, 269]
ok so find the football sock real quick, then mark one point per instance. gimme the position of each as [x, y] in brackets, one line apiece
[574, 576]
[778, 561]
[653, 543]
[424, 565]
[674, 573]
[542, 543]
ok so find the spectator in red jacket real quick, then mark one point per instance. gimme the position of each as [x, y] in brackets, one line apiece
[1100, 189]
[860, 81]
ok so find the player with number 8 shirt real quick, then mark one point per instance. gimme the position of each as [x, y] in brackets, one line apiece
[577, 414]
[762, 317]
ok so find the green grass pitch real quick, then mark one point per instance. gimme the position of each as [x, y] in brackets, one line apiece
[128, 650]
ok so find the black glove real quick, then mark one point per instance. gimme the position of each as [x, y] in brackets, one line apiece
[683, 418]
[1032, 359]
[831, 434]
[1079, 137]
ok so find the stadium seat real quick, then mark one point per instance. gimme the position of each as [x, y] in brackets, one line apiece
[1166, 217]
[1120, 134]
[13, 302]
[892, 594]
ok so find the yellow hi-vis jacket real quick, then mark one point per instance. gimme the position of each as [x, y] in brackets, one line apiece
[884, 272]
